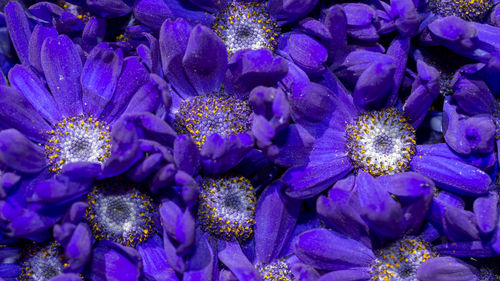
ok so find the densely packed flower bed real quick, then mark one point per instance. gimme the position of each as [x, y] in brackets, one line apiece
[241, 140]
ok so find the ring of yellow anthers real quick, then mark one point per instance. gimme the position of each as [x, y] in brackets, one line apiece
[381, 142]
[246, 26]
[77, 139]
[122, 215]
[43, 263]
[227, 207]
[471, 10]
[202, 116]
[401, 260]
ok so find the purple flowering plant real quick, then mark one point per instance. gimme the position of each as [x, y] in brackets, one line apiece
[243, 140]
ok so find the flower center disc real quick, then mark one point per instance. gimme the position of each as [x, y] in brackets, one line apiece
[77, 139]
[381, 142]
[120, 215]
[41, 264]
[246, 26]
[227, 207]
[400, 261]
[471, 10]
[202, 116]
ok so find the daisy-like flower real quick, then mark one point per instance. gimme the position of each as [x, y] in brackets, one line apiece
[368, 132]
[351, 251]
[62, 119]
[210, 94]
[115, 233]
[250, 25]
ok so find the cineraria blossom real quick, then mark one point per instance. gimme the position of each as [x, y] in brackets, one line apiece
[249, 25]
[64, 118]
[249, 140]
[350, 251]
[369, 132]
[34, 262]
[209, 93]
[115, 232]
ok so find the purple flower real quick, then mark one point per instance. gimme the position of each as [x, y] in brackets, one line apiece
[350, 252]
[62, 120]
[115, 233]
[209, 94]
[36, 262]
[244, 25]
[366, 132]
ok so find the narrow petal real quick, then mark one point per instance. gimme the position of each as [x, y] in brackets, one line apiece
[379, 209]
[115, 262]
[201, 261]
[474, 249]
[17, 112]
[93, 33]
[374, 86]
[347, 275]
[399, 50]
[251, 68]
[32, 88]
[308, 181]
[155, 261]
[452, 175]
[62, 67]
[178, 224]
[79, 248]
[112, 8]
[275, 219]
[147, 98]
[486, 211]
[341, 211]
[446, 269]
[20, 154]
[99, 79]
[134, 74]
[307, 53]
[19, 30]
[294, 144]
[230, 255]
[459, 225]
[304, 272]
[174, 36]
[67, 277]
[186, 154]
[336, 22]
[328, 250]
[423, 93]
[40, 33]
[205, 60]
[288, 11]
[151, 12]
